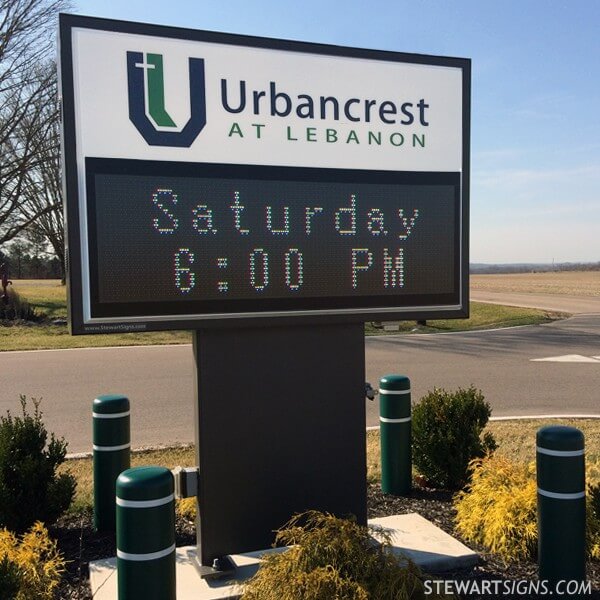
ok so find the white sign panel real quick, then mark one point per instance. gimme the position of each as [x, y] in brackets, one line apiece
[265, 106]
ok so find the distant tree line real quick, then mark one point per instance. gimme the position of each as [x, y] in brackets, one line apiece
[23, 260]
[533, 267]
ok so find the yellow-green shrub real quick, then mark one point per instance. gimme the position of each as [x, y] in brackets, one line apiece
[38, 562]
[333, 558]
[186, 508]
[499, 509]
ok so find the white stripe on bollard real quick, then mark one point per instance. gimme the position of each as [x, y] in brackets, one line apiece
[111, 448]
[143, 557]
[394, 392]
[110, 415]
[564, 453]
[145, 503]
[559, 496]
[403, 420]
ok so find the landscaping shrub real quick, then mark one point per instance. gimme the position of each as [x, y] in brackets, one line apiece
[499, 510]
[186, 508]
[30, 489]
[16, 309]
[333, 558]
[446, 435]
[30, 567]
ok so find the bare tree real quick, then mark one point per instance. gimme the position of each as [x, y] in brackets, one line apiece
[28, 115]
[41, 194]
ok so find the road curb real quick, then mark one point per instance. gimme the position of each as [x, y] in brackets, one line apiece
[79, 455]
[524, 418]
[531, 417]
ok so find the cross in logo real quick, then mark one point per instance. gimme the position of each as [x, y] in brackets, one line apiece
[145, 65]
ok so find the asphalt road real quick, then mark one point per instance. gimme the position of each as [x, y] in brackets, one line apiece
[158, 379]
[503, 363]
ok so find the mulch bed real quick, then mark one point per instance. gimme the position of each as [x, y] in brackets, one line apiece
[436, 506]
[80, 544]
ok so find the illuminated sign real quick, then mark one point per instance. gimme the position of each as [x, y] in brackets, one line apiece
[215, 179]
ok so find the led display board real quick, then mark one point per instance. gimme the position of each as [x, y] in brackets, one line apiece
[214, 179]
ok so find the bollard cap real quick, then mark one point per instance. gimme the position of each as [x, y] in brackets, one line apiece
[145, 483]
[110, 404]
[394, 382]
[560, 437]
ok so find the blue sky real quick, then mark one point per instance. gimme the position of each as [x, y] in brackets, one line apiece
[535, 145]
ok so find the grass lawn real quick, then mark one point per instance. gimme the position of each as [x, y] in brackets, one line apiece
[516, 440]
[49, 297]
[44, 337]
[482, 316]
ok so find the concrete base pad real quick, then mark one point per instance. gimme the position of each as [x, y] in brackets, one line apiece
[426, 544]
[412, 535]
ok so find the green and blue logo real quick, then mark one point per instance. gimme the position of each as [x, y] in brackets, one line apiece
[147, 111]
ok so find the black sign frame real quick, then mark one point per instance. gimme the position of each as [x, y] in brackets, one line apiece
[82, 324]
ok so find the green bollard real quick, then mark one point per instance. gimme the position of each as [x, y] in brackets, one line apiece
[112, 446]
[561, 504]
[395, 432]
[146, 534]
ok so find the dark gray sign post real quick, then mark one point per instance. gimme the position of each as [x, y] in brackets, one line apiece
[271, 196]
[281, 429]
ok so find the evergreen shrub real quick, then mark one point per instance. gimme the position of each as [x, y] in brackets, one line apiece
[447, 434]
[30, 488]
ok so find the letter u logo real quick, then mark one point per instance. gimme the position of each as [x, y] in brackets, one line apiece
[146, 88]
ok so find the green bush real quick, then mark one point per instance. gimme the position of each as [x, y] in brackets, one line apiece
[30, 489]
[446, 435]
[331, 558]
